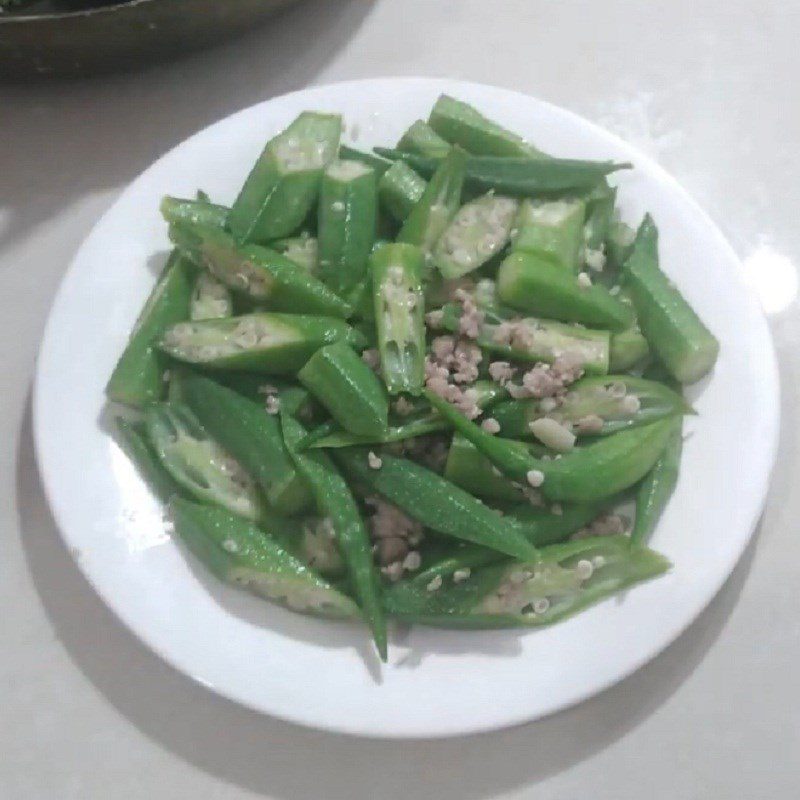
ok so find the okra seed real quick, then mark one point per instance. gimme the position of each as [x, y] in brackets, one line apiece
[435, 584]
[535, 478]
[541, 605]
[230, 545]
[584, 281]
[460, 575]
[584, 569]
[598, 561]
[374, 461]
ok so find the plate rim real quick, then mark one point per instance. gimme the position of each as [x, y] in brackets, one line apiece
[772, 423]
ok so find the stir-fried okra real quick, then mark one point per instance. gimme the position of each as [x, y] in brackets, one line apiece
[416, 384]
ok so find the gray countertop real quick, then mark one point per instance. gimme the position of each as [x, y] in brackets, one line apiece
[709, 90]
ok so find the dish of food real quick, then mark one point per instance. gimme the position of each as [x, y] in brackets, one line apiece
[437, 384]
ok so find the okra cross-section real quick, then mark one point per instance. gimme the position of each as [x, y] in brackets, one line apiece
[400, 189]
[400, 315]
[239, 553]
[552, 230]
[348, 208]
[284, 183]
[421, 138]
[348, 388]
[261, 274]
[277, 344]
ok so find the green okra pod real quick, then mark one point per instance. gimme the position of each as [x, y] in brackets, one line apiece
[566, 579]
[600, 469]
[195, 212]
[459, 123]
[399, 315]
[284, 183]
[335, 502]
[200, 465]
[439, 203]
[262, 275]
[672, 328]
[599, 216]
[348, 389]
[422, 139]
[518, 177]
[619, 243]
[253, 436]
[551, 230]
[138, 377]
[348, 208]
[478, 232]
[628, 349]
[239, 553]
[275, 344]
[657, 486]
[400, 189]
[435, 502]
[531, 284]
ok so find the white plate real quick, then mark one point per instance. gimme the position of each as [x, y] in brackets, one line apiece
[321, 674]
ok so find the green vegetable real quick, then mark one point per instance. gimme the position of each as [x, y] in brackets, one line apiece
[138, 376]
[607, 466]
[615, 401]
[199, 464]
[420, 138]
[468, 468]
[276, 344]
[252, 436]
[348, 208]
[210, 298]
[348, 388]
[459, 123]
[133, 439]
[619, 244]
[520, 177]
[657, 486]
[260, 274]
[551, 230]
[380, 165]
[599, 216]
[335, 502]
[239, 553]
[628, 348]
[400, 189]
[673, 330]
[195, 212]
[303, 250]
[568, 578]
[284, 183]
[399, 315]
[477, 233]
[435, 502]
[531, 284]
[542, 526]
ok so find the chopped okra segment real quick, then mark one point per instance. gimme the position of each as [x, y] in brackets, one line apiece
[416, 383]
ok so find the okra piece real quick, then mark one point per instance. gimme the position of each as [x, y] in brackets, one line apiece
[303, 250]
[258, 273]
[420, 138]
[276, 344]
[619, 244]
[252, 436]
[348, 389]
[462, 124]
[239, 553]
[595, 406]
[462, 559]
[530, 339]
[529, 283]
[198, 463]
[400, 189]
[316, 547]
[477, 233]
[566, 579]
[399, 315]
[487, 393]
[134, 442]
[435, 502]
[335, 502]
[138, 377]
[210, 298]
[380, 165]
[598, 470]
[599, 216]
[470, 469]
[551, 230]
[439, 203]
[657, 486]
[541, 526]
[628, 349]
[348, 208]
[519, 177]
[195, 212]
[672, 328]
[284, 183]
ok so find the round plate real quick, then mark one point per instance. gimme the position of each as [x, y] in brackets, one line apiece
[437, 683]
